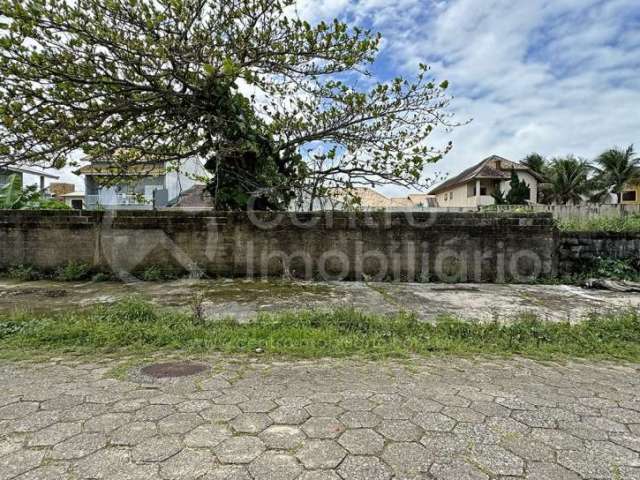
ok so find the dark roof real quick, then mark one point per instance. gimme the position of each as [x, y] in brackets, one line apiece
[483, 170]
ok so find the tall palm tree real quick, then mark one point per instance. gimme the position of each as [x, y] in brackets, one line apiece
[536, 162]
[616, 168]
[568, 180]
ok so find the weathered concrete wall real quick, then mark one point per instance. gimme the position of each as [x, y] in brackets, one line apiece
[577, 249]
[412, 246]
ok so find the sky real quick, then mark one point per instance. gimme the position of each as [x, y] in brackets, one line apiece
[555, 77]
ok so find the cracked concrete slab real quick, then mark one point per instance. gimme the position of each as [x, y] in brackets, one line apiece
[244, 299]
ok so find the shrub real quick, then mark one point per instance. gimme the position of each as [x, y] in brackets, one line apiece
[629, 223]
[73, 271]
[23, 273]
[157, 273]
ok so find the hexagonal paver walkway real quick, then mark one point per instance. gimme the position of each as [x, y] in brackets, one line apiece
[439, 418]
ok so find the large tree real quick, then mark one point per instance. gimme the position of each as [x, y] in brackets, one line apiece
[615, 169]
[271, 103]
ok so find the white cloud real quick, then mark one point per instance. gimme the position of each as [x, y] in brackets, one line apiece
[552, 76]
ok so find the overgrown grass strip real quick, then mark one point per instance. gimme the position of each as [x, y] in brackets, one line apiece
[134, 325]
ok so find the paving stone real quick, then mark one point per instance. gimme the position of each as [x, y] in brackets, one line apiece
[407, 458]
[239, 450]
[457, 470]
[362, 442]
[549, 471]
[422, 405]
[156, 449]
[321, 427]
[193, 406]
[282, 437]
[153, 413]
[188, 464]
[363, 468]
[231, 398]
[228, 472]
[632, 442]
[295, 401]
[360, 419]
[400, 430]
[179, 423]
[47, 472]
[528, 449]
[54, 434]
[557, 439]
[207, 436]
[18, 410]
[18, 462]
[463, 414]
[444, 446]
[166, 399]
[320, 475]
[78, 446]
[435, 422]
[317, 454]
[275, 466]
[10, 444]
[327, 397]
[357, 405]
[106, 422]
[498, 460]
[62, 402]
[324, 410]
[112, 463]
[589, 412]
[33, 422]
[258, 406]
[132, 433]
[221, 413]
[289, 415]
[393, 412]
[250, 422]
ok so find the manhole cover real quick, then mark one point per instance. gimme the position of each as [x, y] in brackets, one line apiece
[174, 369]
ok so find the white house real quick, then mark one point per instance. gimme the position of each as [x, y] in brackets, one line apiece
[28, 177]
[474, 186]
[139, 186]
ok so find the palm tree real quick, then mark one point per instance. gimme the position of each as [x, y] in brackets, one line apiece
[536, 162]
[568, 180]
[615, 169]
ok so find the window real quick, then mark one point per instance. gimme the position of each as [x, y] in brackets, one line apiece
[629, 196]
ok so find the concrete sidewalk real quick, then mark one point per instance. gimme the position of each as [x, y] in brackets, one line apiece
[242, 299]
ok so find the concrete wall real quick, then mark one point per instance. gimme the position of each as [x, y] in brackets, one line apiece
[411, 246]
[578, 249]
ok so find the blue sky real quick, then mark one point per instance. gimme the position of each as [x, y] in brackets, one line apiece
[551, 76]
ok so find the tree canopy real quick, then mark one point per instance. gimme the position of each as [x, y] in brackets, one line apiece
[270, 103]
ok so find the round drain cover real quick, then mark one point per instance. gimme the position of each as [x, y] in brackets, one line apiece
[174, 369]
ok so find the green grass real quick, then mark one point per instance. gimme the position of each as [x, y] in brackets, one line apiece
[630, 223]
[134, 326]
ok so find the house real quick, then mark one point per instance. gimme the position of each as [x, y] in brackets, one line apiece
[369, 199]
[28, 177]
[74, 200]
[142, 186]
[631, 194]
[474, 186]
